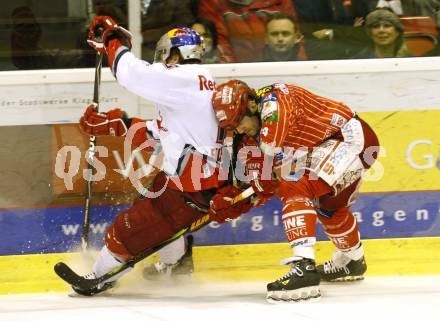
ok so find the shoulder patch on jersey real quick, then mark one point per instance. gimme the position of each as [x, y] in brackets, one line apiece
[282, 87]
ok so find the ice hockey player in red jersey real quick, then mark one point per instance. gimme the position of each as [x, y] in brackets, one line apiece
[181, 90]
[316, 150]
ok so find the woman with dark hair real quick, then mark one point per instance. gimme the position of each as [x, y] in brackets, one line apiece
[385, 31]
[207, 30]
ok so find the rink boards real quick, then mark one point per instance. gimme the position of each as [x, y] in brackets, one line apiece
[398, 213]
[398, 210]
[380, 216]
[400, 198]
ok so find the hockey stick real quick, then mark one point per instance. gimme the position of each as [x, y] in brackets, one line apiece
[91, 158]
[68, 275]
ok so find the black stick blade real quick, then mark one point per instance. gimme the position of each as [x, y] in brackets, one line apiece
[68, 275]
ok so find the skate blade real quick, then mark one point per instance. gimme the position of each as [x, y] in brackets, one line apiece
[347, 279]
[176, 278]
[309, 294]
[105, 293]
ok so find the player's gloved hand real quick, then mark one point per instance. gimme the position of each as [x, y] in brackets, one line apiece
[100, 124]
[258, 201]
[103, 29]
[222, 210]
[261, 177]
[265, 188]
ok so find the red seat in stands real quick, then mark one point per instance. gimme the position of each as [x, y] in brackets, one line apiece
[420, 34]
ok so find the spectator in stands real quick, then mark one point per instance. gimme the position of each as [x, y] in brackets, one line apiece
[159, 16]
[101, 8]
[429, 8]
[110, 8]
[331, 27]
[433, 52]
[283, 41]
[412, 7]
[26, 50]
[241, 25]
[195, 4]
[385, 31]
[206, 29]
[394, 5]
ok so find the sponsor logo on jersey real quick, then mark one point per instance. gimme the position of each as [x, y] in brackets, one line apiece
[263, 91]
[270, 97]
[272, 118]
[226, 95]
[269, 111]
[338, 120]
[206, 84]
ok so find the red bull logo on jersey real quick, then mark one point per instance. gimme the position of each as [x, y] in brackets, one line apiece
[206, 84]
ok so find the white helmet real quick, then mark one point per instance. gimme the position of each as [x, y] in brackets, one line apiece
[187, 41]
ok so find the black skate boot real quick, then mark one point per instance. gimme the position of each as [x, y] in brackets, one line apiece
[183, 267]
[301, 283]
[350, 270]
[98, 289]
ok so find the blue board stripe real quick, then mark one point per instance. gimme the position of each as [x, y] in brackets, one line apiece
[382, 215]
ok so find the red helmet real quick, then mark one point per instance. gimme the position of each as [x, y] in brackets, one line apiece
[230, 102]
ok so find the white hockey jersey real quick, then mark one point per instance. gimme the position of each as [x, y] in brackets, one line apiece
[185, 119]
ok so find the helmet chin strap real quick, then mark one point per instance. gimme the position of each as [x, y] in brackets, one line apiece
[174, 58]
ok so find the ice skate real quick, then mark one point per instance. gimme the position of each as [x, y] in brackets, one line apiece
[299, 284]
[183, 267]
[98, 289]
[337, 270]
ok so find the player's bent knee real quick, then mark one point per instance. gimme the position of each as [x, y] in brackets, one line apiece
[115, 246]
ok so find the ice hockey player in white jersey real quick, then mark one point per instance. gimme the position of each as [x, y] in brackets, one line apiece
[181, 90]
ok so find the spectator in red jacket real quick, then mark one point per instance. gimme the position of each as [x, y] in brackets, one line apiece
[241, 24]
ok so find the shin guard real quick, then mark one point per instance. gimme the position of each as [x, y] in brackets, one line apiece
[342, 229]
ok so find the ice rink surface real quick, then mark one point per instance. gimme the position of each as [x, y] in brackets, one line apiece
[376, 298]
